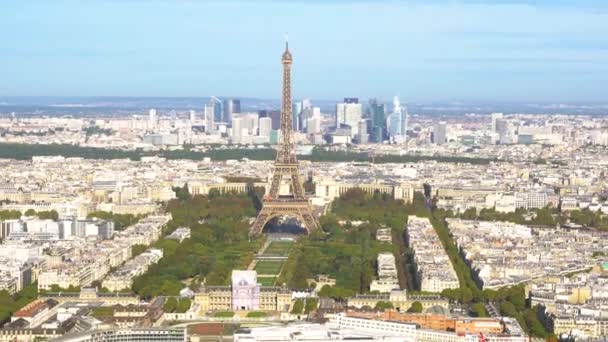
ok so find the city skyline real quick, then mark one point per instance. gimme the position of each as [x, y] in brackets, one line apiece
[469, 50]
[410, 170]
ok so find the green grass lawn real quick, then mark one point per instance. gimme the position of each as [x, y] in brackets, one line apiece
[268, 267]
[256, 314]
[279, 248]
[223, 314]
[267, 281]
[102, 311]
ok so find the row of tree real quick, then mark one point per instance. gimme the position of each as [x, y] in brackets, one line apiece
[16, 214]
[347, 253]
[27, 151]
[43, 215]
[219, 243]
[10, 214]
[542, 217]
[511, 301]
[547, 216]
[177, 305]
[11, 303]
[121, 221]
[305, 306]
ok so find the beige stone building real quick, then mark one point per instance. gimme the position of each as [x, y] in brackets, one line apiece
[400, 300]
[219, 298]
[244, 294]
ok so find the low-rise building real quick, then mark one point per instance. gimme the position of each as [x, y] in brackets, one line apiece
[434, 270]
[245, 293]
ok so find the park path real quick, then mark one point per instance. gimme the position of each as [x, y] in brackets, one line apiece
[260, 252]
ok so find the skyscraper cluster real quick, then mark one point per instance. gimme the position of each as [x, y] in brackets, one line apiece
[352, 122]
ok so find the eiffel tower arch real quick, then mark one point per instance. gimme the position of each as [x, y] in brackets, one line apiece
[286, 168]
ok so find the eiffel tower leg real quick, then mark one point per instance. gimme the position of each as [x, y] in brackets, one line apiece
[260, 221]
[310, 223]
[275, 186]
[298, 189]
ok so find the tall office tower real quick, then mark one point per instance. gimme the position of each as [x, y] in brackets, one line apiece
[313, 125]
[440, 133]
[274, 115]
[265, 127]
[250, 122]
[349, 113]
[297, 116]
[217, 109]
[394, 121]
[152, 118]
[495, 116]
[209, 116]
[237, 130]
[404, 119]
[192, 116]
[306, 112]
[502, 131]
[377, 114]
[306, 104]
[231, 106]
[363, 136]
[393, 125]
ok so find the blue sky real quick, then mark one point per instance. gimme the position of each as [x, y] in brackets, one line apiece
[552, 50]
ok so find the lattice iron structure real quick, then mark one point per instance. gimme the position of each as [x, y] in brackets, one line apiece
[286, 167]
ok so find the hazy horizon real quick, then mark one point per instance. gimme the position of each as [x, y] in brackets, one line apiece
[424, 51]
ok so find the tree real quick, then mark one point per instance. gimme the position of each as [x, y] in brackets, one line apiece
[517, 297]
[311, 305]
[298, 306]
[48, 215]
[182, 193]
[489, 294]
[416, 307]
[121, 221]
[466, 295]
[9, 214]
[30, 212]
[170, 305]
[6, 305]
[469, 214]
[479, 310]
[183, 305]
[535, 326]
[508, 309]
[382, 305]
[137, 250]
[452, 294]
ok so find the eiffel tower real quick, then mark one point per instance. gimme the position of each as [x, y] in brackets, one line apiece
[286, 167]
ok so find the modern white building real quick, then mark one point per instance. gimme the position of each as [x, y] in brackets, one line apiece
[237, 130]
[128, 335]
[265, 127]
[349, 113]
[152, 119]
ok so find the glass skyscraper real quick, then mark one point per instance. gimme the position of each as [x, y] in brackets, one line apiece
[377, 114]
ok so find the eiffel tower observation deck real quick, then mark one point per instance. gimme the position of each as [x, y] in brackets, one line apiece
[286, 168]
